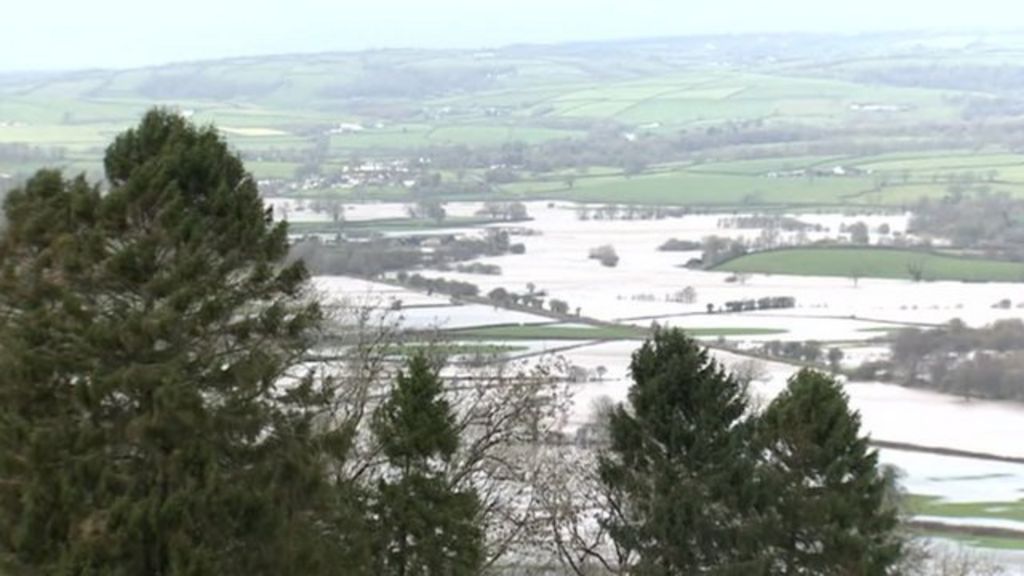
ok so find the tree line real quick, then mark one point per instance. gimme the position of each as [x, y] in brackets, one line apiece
[986, 221]
[985, 362]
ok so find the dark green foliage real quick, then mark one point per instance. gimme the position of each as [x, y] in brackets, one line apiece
[425, 526]
[143, 336]
[680, 467]
[699, 485]
[832, 514]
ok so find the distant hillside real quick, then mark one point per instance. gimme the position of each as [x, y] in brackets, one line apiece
[672, 99]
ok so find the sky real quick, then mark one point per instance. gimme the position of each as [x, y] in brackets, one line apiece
[74, 34]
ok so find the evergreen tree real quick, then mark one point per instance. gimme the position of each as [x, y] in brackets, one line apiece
[834, 515]
[679, 467]
[144, 334]
[425, 526]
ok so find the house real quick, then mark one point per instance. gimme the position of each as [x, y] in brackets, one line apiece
[347, 128]
[874, 107]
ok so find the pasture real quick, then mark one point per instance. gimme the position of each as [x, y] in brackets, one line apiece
[875, 263]
[281, 111]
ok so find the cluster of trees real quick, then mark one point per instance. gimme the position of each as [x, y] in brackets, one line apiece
[993, 222]
[810, 352]
[983, 362]
[755, 221]
[716, 250]
[676, 245]
[477, 268]
[427, 209]
[455, 288]
[687, 295]
[363, 258]
[495, 242]
[376, 255]
[532, 299]
[605, 254]
[505, 211]
[627, 212]
[765, 303]
[333, 207]
[858, 232]
[694, 481]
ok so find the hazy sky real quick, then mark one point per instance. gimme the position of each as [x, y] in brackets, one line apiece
[63, 34]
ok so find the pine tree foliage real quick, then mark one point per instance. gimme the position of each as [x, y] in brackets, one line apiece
[145, 332]
[679, 465]
[833, 513]
[425, 526]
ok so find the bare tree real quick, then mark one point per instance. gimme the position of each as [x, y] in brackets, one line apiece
[915, 267]
[855, 275]
[507, 414]
[575, 502]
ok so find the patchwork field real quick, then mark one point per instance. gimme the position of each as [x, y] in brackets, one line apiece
[751, 130]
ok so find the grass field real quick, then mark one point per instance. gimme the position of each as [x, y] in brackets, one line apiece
[874, 263]
[750, 183]
[277, 109]
[931, 506]
[696, 187]
[597, 333]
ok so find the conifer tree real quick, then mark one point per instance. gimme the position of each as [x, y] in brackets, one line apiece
[425, 527]
[144, 337]
[833, 514]
[679, 467]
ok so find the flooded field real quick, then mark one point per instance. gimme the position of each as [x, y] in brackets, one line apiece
[847, 313]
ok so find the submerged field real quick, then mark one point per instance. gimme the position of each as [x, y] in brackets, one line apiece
[875, 263]
[962, 499]
[596, 333]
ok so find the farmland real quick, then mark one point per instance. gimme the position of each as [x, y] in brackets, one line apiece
[742, 132]
[876, 263]
[618, 306]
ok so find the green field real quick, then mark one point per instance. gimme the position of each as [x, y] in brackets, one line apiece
[874, 263]
[932, 506]
[805, 112]
[694, 187]
[596, 333]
